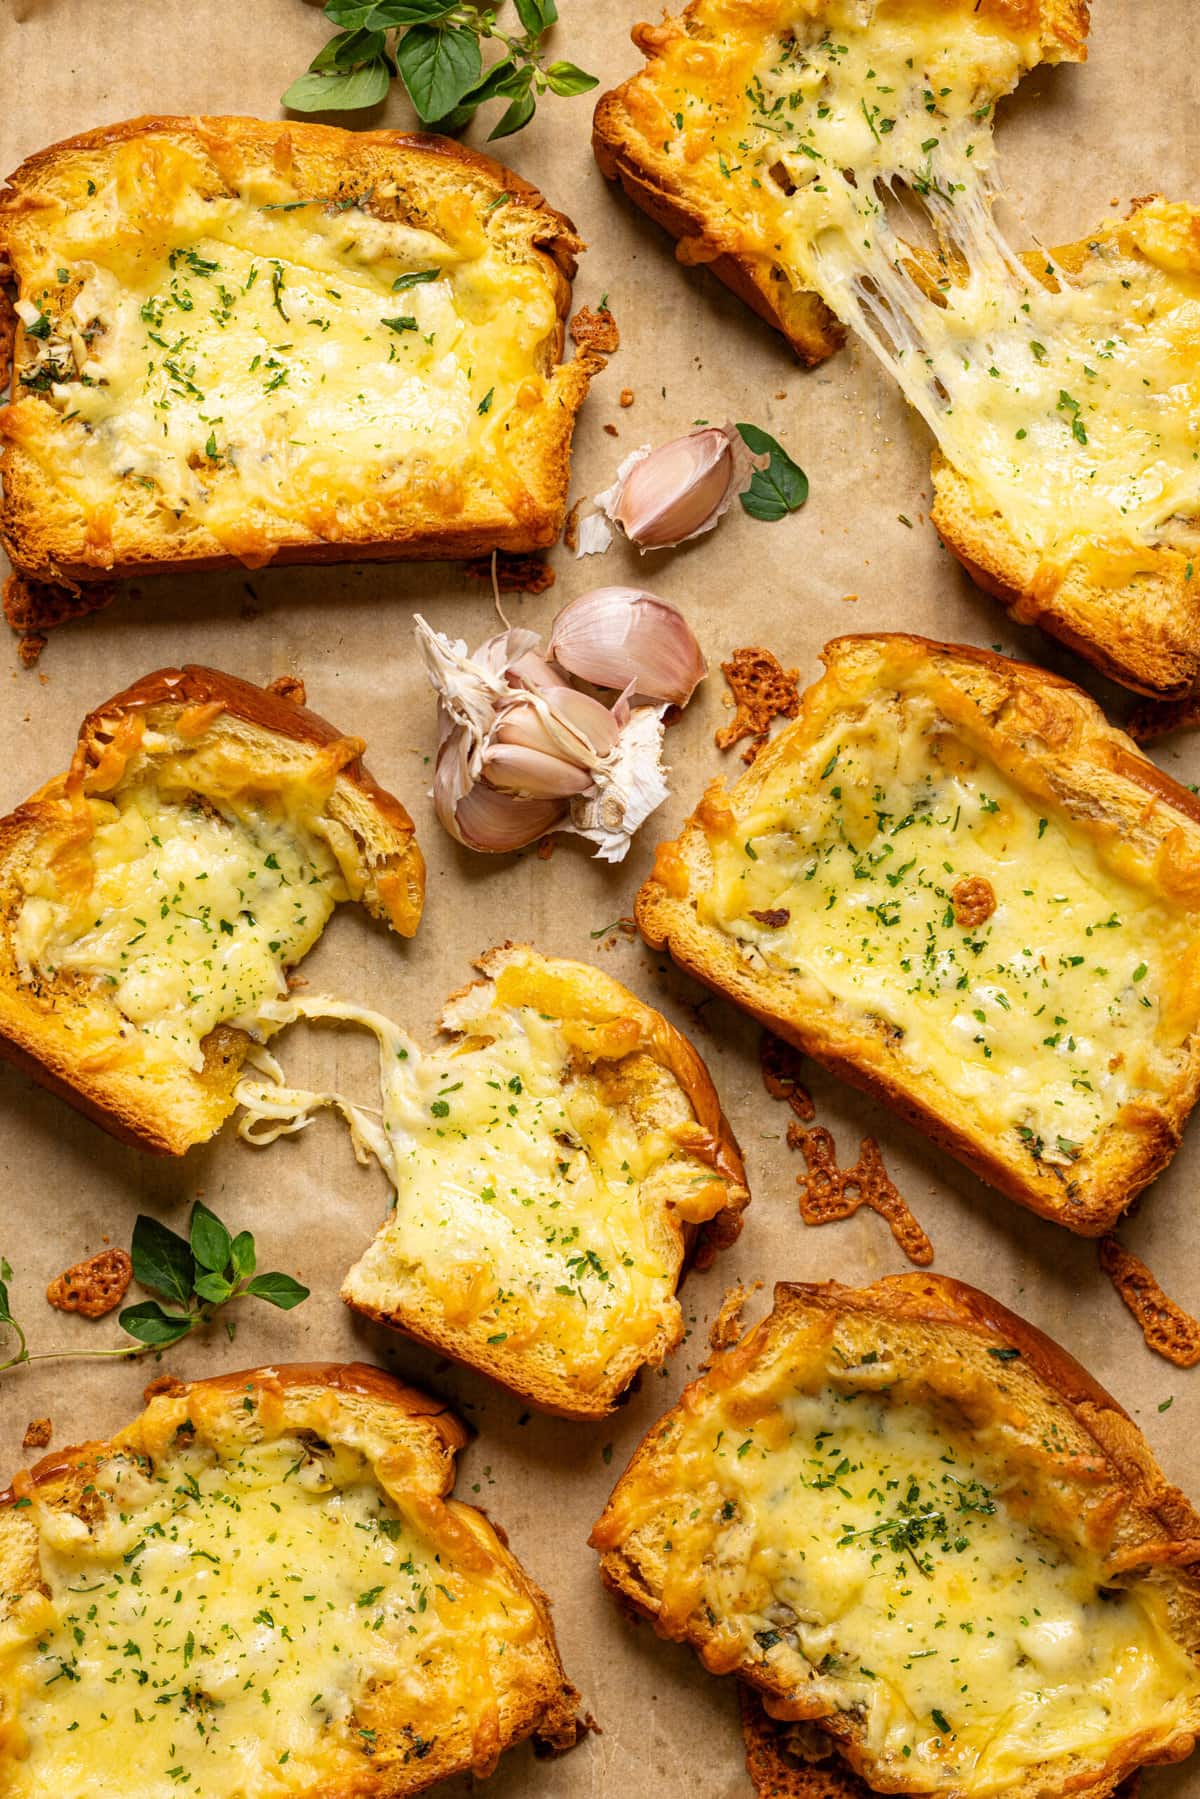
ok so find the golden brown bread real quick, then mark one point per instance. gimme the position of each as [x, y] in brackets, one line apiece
[698, 1538]
[1071, 1123]
[286, 202]
[631, 121]
[443, 1662]
[698, 141]
[236, 769]
[558, 1160]
[571, 1337]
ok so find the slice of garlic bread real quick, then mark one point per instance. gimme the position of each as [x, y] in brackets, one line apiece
[557, 1164]
[834, 161]
[904, 1514]
[153, 898]
[953, 883]
[260, 1586]
[249, 342]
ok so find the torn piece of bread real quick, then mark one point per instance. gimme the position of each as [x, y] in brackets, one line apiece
[153, 898]
[793, 1758]
[955, 884]
[834, 160]
[557, 1164]
[902, 1513]
[261, 1586]
[250, 342]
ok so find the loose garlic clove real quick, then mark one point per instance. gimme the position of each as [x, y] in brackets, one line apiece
[628, 640]
[681, 489]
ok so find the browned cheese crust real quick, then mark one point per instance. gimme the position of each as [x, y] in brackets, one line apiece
[420, 180]
[65, 1033]
[1063, 753]
[1004, 1368]
[423, 1438]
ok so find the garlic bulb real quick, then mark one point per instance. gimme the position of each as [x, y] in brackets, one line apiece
[522, 752]
[629, 640]
[666, 496]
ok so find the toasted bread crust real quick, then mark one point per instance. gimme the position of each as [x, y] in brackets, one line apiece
[802, 318]
[818, 1772]
[1157, 1528]
[597, 996]
[1058, 730]
[34, 1039]
[626, 155]
[1143, 630]
[33, 531]
[545, 1708]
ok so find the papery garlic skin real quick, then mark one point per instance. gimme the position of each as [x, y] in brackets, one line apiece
[629, 786]
[631, 641]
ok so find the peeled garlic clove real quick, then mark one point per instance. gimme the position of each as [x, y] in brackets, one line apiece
[681, 489]
[626, 639]
[515, 768]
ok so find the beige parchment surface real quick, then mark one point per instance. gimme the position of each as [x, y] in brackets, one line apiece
[1075, 143]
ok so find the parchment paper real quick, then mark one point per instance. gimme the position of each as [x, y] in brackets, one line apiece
[1074, 143]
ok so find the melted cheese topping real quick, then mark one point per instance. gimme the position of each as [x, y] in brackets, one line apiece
[862, 1550]
[532, 1206]
[259, 358]
[850, 145]
[220, 1629]
[1043, 1019]
[191, 916]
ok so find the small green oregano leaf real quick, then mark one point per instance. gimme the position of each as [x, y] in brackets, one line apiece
[778, 489]
[437, 65]
[162, 1261]
[243, 1256]
[210, 1241]
[278, 1290]
[149, 1323]
[514, 117]
[340, 93]
[536, 15]
[567, 78]
[215, 1289]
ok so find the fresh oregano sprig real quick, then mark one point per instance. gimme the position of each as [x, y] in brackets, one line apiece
[435, 48]
[195, 1277]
